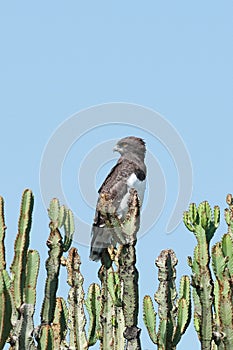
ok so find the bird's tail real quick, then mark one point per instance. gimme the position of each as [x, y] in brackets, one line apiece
[101, 239]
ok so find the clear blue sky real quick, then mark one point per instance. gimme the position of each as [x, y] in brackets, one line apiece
[174, 57]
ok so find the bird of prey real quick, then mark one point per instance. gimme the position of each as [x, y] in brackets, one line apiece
[129, 172]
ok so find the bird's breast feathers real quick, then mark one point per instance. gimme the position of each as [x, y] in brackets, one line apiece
[139, 186]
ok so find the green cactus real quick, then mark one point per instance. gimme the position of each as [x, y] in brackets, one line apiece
[60, 217]
[5, 308]
[203, 222]
[229, 214]
[78, 339]
[129, 274]
[222, 262]
[223, 296]
[53, 263]
[46, 338]
[174, 314]
[125, 234]
[5, 296]
[21, 247]
[24, 268]
[60, 322]
[113, 307]
[93, 306]
[111, 313]
[2, 235]
[107, 335]
[32, 270]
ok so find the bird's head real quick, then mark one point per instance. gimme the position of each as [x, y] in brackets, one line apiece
[131, 144]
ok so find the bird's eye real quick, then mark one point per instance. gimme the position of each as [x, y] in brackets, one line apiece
[123, 144]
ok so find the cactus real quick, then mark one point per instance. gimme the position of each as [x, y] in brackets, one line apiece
[21, 247]
[124, 232]
[93, 306]
[112, 307]
[222, 262]
[78, 339]
[5, 308]
[5, 297]
[111, 313]
[24, 268]
[174, 314]
[60, 217]
[59, 325]
[203, 222]
[213, 310]
[2, 236]
[46, 339]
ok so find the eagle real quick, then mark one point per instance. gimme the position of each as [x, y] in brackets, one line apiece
[129, 172]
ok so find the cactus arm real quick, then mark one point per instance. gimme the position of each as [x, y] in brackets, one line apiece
[229, 214]
[26, 341]
[77, 318]
[124, 232]
[59, 324]
[111, 313]
[54, 212]
[197, 313]
[226, 313]
[24, 329]
[119, 326]
[184, 309]
[129, 276]
[60, 217]
[223, 292]
[227, 248]
[129, 273]
[114, 287]
[205, 292]
[165, 297]
[93, 306]
[46, 339]
[107, 336]
[69, 230]
[203, 222]
[32, 270]
[5, 297]
[53, 262]
[21, 247]
[174, 315]
[149, 317]
[2, 235]
[5, 308]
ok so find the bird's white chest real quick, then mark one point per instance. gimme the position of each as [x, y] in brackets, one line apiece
[139, 186]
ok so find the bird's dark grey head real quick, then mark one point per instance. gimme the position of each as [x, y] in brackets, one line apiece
[131, 145]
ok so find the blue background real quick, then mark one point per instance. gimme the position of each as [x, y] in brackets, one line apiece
[172, 56]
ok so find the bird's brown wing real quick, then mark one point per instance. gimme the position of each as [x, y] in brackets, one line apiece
[115, 188]
[115, 184]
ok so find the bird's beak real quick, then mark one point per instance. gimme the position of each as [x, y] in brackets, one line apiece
[116, 148]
